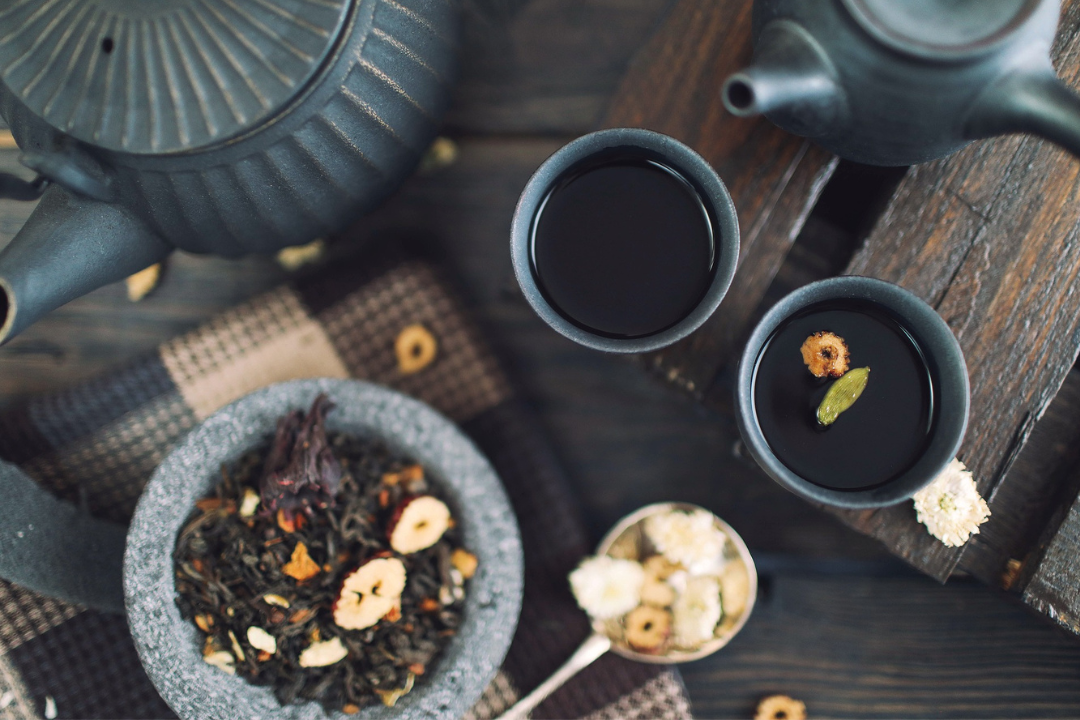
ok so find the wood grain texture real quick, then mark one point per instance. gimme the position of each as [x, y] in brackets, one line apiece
[850, 646]
[673, 87]
[1054, 587]
[989, 237]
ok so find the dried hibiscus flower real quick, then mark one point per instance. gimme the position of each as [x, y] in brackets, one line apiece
[300, 470]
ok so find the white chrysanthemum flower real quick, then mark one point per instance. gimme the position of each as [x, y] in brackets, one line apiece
[950, 507]
[690, 538]
[606, 587]
[697, 611]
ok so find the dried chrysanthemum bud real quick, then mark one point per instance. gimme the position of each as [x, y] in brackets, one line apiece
[697, 611]
[370, 593]
[689, 538]
[647, 628]
[950, 507]
[321, 654]
[606, 587]
[826, 354]
[418, 523]
[780, 707]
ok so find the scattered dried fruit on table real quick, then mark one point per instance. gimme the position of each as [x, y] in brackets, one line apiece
[825, 354]
[143, 282]
[780, 707]
[415, 348]
[418, 523]
[297, 256]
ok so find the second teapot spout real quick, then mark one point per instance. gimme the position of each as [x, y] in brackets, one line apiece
[792, 81]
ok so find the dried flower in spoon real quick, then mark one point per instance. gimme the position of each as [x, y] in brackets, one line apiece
[688, 538]
[607, 588]
[950, 507]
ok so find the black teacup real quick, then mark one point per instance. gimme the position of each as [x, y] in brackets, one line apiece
[896, 436]
[625, 240]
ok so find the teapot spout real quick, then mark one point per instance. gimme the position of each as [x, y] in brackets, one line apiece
[792, 81]
[1034, 102]
[69, 246]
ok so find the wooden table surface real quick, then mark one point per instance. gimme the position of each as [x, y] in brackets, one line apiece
[840, 622]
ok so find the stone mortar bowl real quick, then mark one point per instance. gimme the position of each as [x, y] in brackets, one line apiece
[169, 646]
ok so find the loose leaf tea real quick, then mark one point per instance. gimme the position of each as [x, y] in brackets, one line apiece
[842, 395]
[267, 580]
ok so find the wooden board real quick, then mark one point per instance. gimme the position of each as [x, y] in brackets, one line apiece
[673, 87]
[989, 237]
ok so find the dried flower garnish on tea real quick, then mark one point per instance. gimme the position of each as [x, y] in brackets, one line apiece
[289, 570]
[825, 354]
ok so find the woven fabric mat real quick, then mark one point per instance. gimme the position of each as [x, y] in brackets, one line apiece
[98, 444]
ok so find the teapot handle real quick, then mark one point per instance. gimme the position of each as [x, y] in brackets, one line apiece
[52, 547]
[1035, 102]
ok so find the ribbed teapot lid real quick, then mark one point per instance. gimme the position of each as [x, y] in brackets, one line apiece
[160, 76]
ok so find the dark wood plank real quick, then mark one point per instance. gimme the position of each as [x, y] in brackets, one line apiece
[852, 646]
[545, 67]
[1054, 587]
[989, 237]
[774, 178]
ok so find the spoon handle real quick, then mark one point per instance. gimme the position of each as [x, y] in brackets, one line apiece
[594, 646]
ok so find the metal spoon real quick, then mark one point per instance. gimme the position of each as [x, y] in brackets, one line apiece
[629, 530]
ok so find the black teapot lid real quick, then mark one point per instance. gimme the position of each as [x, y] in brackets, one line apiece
[162, 76]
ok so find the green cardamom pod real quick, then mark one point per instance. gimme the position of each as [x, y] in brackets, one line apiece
[842, 395]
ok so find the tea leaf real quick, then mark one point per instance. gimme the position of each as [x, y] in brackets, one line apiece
[842, 395]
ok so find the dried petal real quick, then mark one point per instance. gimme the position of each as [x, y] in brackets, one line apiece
[465, 562]
[271, 599]
[143, 282]
[300, 565]
[250, 503]
[223, 660]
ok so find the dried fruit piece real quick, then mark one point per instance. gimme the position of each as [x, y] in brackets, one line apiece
[415, 348]
[647, 628]
[223, 660]
[371, 592]
[418, 523]
[261, 640]
[271, 599]
[465, 562]
[390, 697]
[734, 588]
[825, 354]
[295, 257]
[321, 654]
[350, 708]
[657, 593]
[780, 707]
[204, 622]
[143, 282]
[429, 605]
[842, 395]
[237, 650]
[249, 504]
[409, 474]
[660, 567]
[300, 565]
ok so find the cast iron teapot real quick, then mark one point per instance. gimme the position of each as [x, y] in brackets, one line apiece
[214, 127]
[898, 82]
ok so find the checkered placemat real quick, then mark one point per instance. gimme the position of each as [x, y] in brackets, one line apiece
[98, 444]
